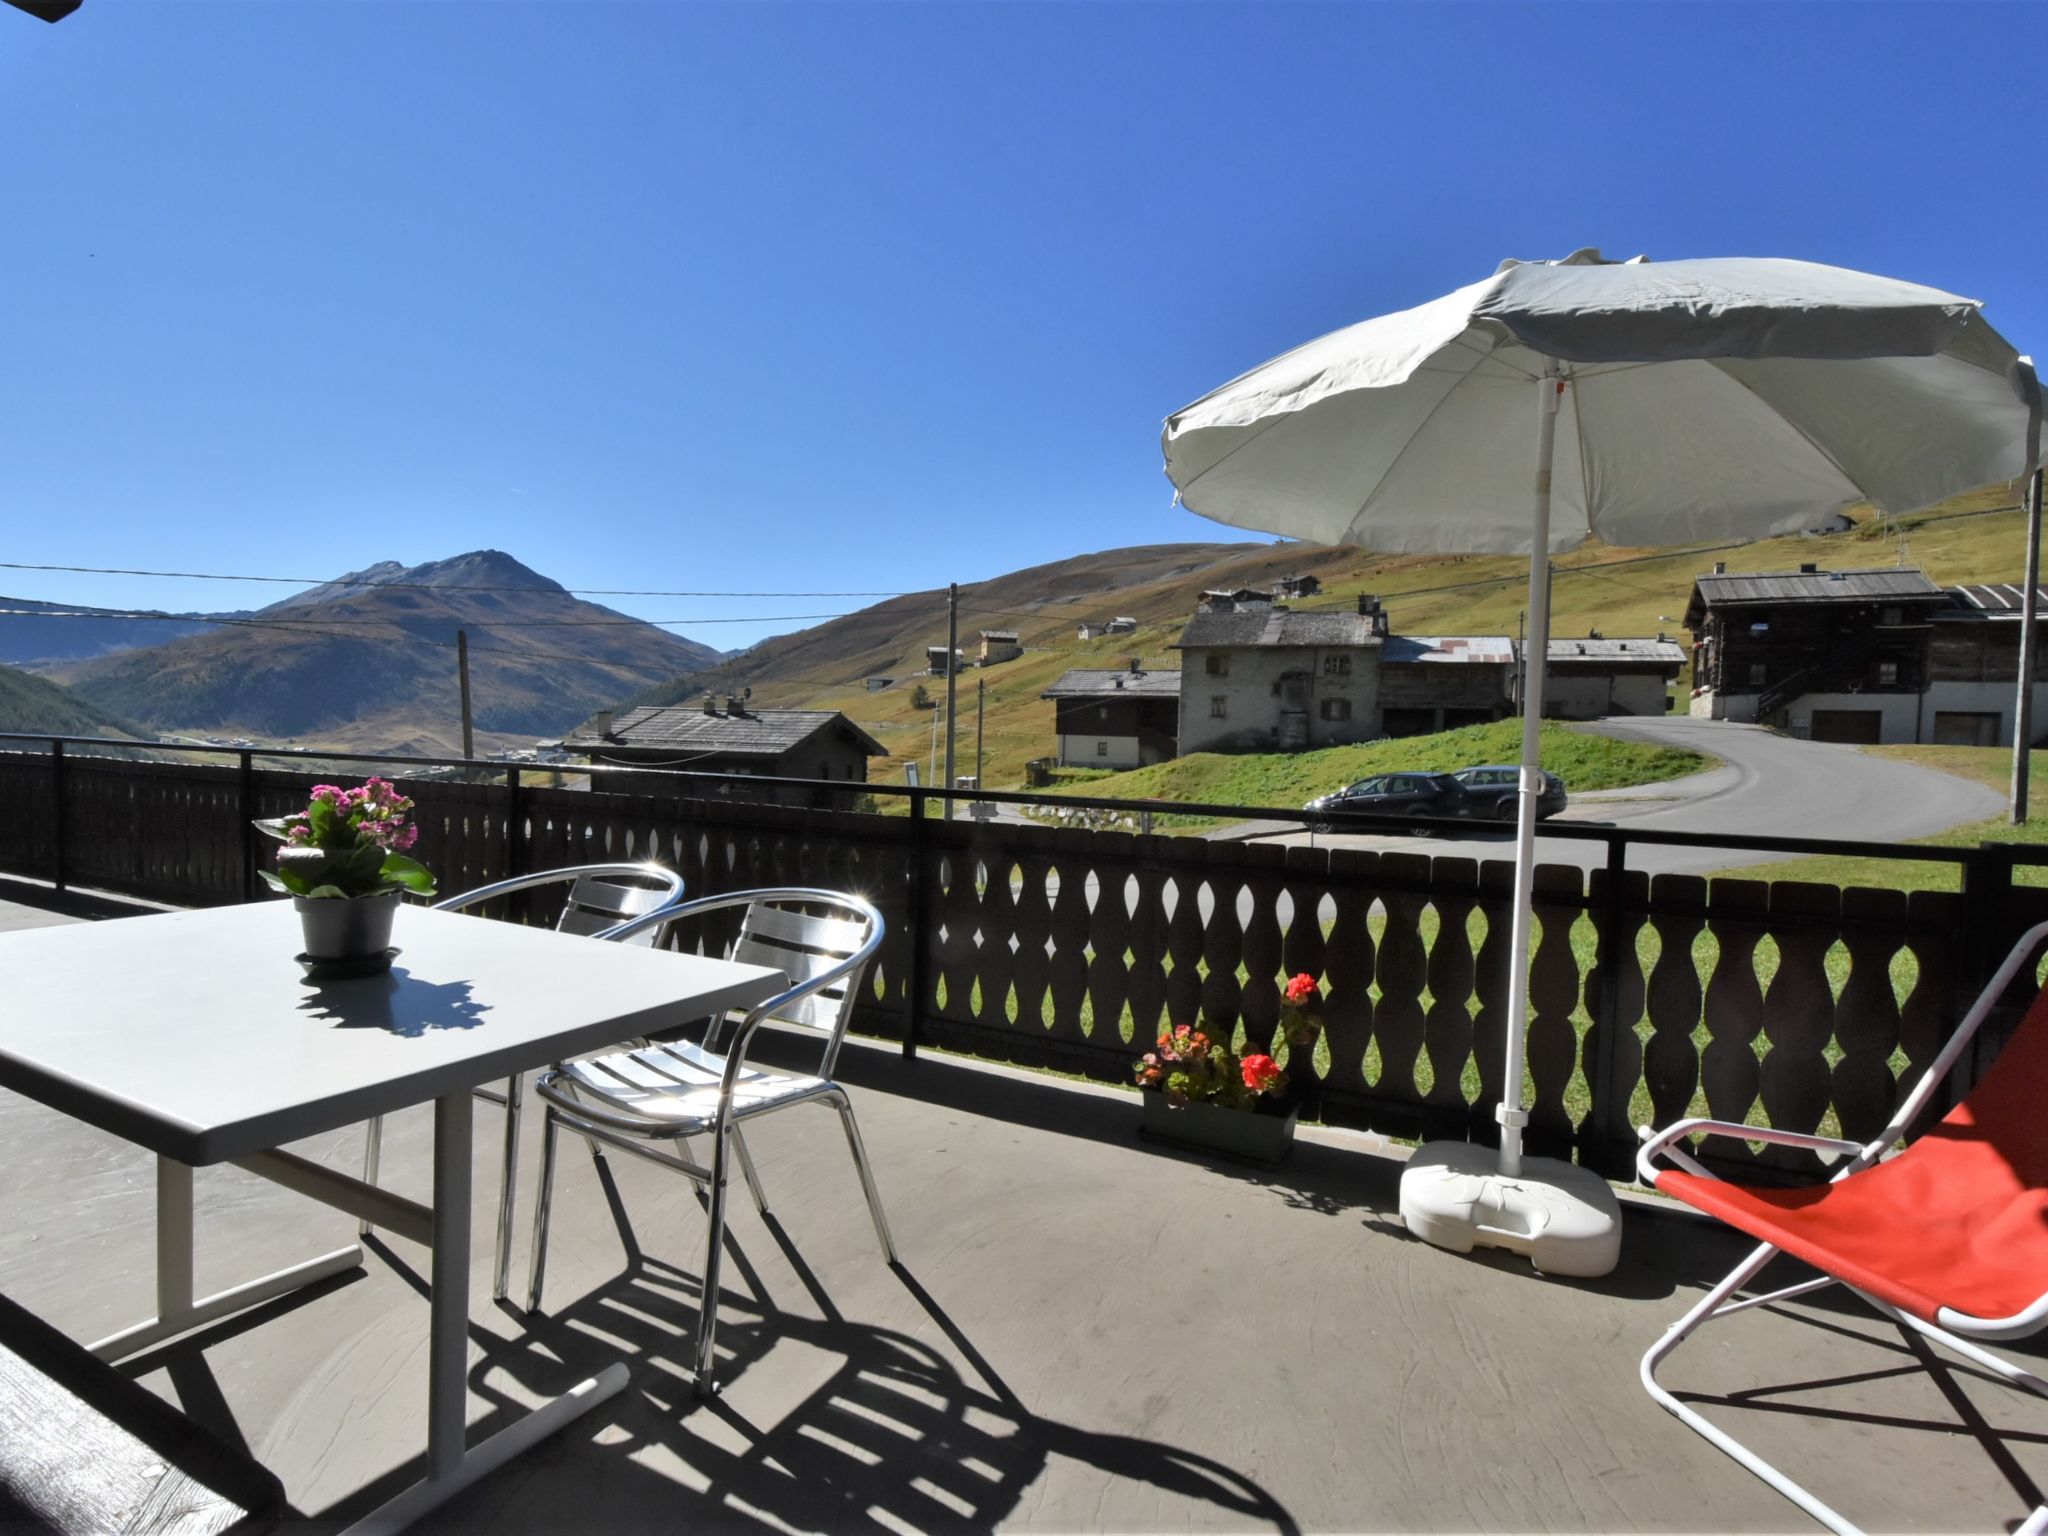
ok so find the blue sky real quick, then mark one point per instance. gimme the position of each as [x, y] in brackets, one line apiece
[817, 298]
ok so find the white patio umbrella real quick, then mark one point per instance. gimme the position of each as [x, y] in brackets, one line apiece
[1635, 402]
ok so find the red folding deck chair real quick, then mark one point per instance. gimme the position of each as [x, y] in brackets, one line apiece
[1948, 1237]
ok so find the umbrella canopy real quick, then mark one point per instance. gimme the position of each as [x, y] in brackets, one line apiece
[1728, 398]
[1724, 398]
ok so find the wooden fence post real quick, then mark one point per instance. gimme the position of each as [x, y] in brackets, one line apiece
[1606, 1142]
[915, 923]
[57, 814]
[1988, 932]
[250, 884]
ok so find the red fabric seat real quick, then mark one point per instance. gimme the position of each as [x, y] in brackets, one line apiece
[1958, 1220]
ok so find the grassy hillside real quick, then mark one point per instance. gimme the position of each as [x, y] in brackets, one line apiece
[31, 703]
[1617, 591]
[1583, 760]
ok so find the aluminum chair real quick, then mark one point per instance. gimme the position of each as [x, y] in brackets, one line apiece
[605, 901]
[824, 941]
[1946, 1238]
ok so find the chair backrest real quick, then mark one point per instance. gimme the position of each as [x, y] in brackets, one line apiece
[808, 935]
[600, 898]
[595, 904]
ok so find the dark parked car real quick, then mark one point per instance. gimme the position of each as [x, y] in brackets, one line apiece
[1492, 790]
[1400, 794]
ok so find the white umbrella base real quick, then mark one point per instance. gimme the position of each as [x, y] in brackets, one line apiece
[1563, 1218]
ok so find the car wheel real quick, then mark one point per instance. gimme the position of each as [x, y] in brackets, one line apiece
[1505, 810]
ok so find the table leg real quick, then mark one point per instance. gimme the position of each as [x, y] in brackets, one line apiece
[176, 1310]
[452, 1465]
[448, 1351]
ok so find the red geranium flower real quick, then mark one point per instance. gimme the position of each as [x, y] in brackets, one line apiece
[1301, 988]
[1262, 1073]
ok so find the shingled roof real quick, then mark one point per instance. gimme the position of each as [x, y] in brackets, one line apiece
[1565, 652]
[1089, 683]
[1815, 586]
[1277, 627]
[1729, 589]
[764, 733]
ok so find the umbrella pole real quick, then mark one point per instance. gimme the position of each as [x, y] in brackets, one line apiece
[1458, 1195]
[1535, 657]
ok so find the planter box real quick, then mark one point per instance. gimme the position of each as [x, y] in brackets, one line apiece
[1243, 1134]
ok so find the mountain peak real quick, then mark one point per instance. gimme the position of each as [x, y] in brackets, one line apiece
[479, 568]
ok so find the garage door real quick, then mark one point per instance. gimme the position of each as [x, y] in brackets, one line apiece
[1865, 727]
[1966, 728]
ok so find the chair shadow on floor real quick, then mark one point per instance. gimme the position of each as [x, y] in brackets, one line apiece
[880, 1428]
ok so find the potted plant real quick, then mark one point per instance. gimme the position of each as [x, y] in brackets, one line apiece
[1198, 1092]
[344, 865]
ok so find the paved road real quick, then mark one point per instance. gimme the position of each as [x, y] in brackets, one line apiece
[1770, 785]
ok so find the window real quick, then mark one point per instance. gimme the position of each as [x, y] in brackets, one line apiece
[1102, 749]
[1887, 674]
[1888, 616]
[1217, 665]
[1336, 666]
[1756, 674]
[1102, 712]
[1217, 711]
[1336, 709]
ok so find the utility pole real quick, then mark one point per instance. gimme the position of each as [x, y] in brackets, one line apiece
[952, 681]
[2023, 707]
[462, 674]
[980, 703]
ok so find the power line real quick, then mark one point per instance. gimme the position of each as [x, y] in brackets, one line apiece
[423, 586]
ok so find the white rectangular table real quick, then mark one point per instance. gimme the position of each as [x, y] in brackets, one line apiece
[197, 1035]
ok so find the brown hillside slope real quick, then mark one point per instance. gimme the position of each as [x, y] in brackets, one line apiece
[1617, 591]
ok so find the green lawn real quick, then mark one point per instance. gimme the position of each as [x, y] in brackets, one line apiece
[1287, 780]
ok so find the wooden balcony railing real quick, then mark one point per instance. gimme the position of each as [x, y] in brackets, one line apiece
[1799, 1005]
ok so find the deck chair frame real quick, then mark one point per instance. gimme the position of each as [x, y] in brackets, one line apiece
[1722, 1301]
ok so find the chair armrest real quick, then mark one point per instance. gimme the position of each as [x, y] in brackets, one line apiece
[1664, 1144]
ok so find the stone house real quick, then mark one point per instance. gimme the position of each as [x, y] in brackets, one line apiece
[1263, 679]
[1586, 679]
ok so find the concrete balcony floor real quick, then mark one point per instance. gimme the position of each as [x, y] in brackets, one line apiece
[1086, 1334]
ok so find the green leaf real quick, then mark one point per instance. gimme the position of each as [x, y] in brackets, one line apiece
[272, 881]
[274, 826]
[329, 892]
[320, 815]
[409, 873]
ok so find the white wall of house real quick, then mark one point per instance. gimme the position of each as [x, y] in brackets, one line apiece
[1907, 717]
[1981, 698]
[1898, 710]
[1584, 695]
[1078, 751]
